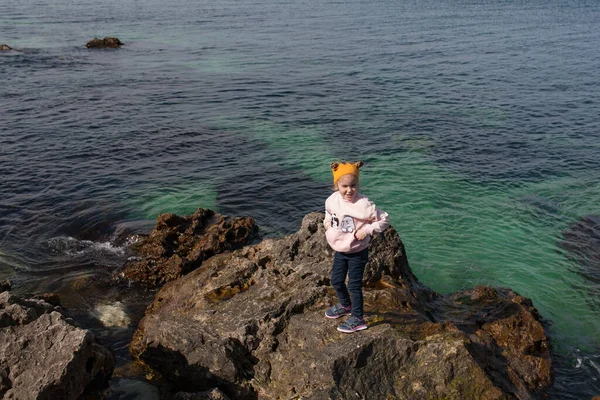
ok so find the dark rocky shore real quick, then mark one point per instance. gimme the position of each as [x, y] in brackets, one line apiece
[245, 321]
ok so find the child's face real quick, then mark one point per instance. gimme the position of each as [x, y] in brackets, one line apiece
[347, 185]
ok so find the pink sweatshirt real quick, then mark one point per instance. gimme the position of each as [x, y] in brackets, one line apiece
[343, 218]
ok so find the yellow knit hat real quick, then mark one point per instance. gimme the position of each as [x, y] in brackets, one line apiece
[341, 169]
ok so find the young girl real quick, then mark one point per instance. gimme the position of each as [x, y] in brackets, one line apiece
[350, 220]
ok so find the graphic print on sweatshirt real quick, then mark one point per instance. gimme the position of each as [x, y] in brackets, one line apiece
[348, 224]
[335, 222]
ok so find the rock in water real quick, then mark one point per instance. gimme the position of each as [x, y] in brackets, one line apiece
[107, 42]
[5, 284]
[51, 298]
[178, 245]
[251, 324]
[582, 240]
[43, 356]
[5, 47]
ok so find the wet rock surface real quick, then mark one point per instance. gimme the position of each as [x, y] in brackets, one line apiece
[5, 47]
[251, 323]
[178, 245]
[43, 355]
[214, 394]
[107, 42]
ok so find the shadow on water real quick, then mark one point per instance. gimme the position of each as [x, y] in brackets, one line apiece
[278, 203]
[579, 369]
[581, 240]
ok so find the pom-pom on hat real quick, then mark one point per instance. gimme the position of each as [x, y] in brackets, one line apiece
[341, 169]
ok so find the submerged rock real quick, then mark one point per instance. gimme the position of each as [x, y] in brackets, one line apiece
[251, 324]
[582, 240]
[107, 42]
[44, 356]
[5, 285]
[178, 245]
[52, 298]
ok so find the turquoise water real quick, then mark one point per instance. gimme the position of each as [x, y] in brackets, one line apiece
[478, 125]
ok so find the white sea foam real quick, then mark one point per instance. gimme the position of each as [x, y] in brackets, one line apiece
[112, 314]
[107, 246]
[74, 247]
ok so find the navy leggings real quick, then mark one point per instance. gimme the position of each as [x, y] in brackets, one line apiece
[353, 265]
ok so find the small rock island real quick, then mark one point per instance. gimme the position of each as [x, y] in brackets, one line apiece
[107, 42]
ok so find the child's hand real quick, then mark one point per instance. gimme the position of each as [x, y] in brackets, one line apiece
[360, 234]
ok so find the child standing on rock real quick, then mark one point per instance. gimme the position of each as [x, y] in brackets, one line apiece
[350, 220]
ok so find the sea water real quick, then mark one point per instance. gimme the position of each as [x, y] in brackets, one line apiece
[479, 125]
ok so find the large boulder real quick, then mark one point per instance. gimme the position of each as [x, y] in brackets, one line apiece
[44, 356]
[107, 42]
[178, 245]
[251, 324]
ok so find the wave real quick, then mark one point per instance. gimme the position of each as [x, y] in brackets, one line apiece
[74, 247]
